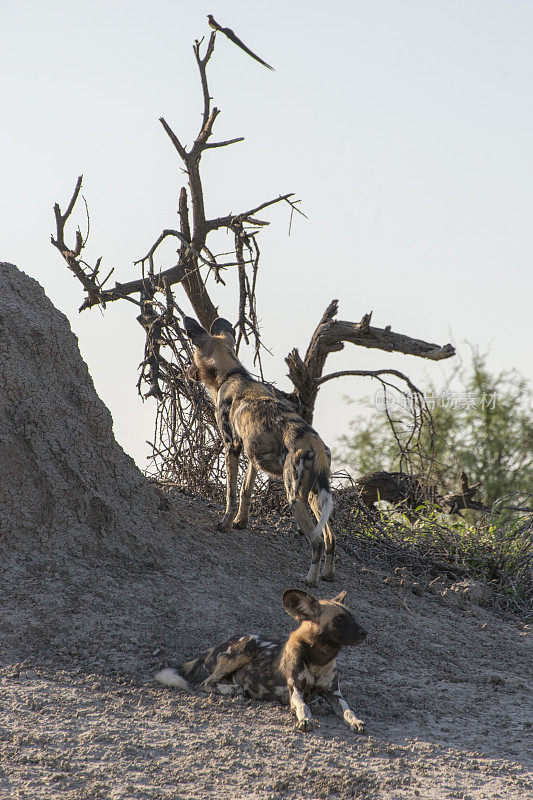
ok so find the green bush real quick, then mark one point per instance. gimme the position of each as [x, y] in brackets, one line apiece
[484, 427]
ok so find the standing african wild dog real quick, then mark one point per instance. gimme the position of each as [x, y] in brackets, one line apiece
[273, 436]
[292, 672]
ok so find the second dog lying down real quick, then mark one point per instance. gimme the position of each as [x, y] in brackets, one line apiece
[294, 671]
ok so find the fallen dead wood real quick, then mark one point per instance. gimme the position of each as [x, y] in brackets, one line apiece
[410, 492]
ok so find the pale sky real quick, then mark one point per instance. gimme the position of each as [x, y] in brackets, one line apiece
[404, 127]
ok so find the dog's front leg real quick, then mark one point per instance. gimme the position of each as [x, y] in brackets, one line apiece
[341, 708]
[222, 678]
[298, 705]
[232, 463]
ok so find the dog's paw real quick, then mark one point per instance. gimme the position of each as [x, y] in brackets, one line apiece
[305, 725]
[357, 725]
[207, 686]
[229, 690]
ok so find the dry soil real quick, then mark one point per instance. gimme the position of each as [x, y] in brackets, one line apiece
[105, 579]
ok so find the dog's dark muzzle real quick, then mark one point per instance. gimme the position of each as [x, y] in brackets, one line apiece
[360, 636]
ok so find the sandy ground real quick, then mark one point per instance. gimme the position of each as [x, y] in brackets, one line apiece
[105, 579]
[443, 690]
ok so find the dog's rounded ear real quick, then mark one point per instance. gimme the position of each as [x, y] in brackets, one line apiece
[198, 335]
[192, 372]
[221, 327]
[340, 597]
[301, 605]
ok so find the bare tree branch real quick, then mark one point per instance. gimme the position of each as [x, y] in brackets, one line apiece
[369, 373]
[224, 144]
[330, 336]
[202, 66]
[173, 138]
[226, 221]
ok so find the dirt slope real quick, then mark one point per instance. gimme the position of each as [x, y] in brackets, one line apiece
[104, 580]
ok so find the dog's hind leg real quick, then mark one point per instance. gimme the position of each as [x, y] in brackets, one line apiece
[189, 667]
[303, 518]
[328, 571]
[241, 520]
[297, 485]
[232, 464]
[237, 653]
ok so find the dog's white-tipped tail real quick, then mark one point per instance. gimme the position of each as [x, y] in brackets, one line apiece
[172, 678]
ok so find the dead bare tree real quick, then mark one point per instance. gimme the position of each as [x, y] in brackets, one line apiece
[186, 446]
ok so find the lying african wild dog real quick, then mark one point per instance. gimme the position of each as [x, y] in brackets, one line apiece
[273, 436]
[292, 672]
